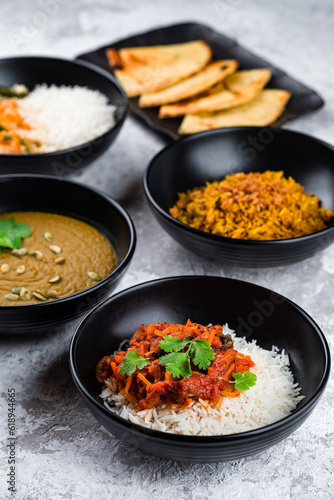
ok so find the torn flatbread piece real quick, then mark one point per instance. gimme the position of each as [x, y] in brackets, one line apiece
[147, 69]
[261, 111]
[236, 89]
[193, 85]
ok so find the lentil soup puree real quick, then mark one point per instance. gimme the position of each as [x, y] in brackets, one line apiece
[61, 257]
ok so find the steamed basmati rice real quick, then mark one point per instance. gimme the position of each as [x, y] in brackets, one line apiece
[273, 397]
[64, 117]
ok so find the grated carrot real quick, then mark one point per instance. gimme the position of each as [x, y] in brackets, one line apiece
[114, 368]
[129, 397]
[128, 383]
[142, 348]
[211, 336]
[144, 379]
[229, 371]
[187, 402]
[118, 359]
[228, 394]
[158, 333]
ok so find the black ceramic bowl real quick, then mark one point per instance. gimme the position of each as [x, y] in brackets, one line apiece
[47, 194]
[37, 70]
[253, 311]
[210, 156]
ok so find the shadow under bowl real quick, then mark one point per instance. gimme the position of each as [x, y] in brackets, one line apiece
[252, 311]
[210, 156]
[38, 193]
[31, 71]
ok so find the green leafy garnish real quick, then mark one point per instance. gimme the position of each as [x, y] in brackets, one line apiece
[11, 233]
[173, 344]
[243, 381]
[12, 92]
[178, 363]
[131, 361]
[202, 353]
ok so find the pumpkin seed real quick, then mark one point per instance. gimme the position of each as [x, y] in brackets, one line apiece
[48, 236]
[55, 279]
[36, 254]
[12, 296]
[94, 276]
[21, 269]
[5, 268]
[25, 294]
[39, 296]
[17, 290]
[52, 294]
[55, 249]
[60, 260]
[19, 252]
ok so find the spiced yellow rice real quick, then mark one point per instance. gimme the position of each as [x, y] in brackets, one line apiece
[254, 206]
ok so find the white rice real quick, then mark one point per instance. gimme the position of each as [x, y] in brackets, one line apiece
[274, 396]
[63, 117]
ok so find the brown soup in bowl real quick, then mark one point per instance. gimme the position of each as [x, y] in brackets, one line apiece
[62, 256]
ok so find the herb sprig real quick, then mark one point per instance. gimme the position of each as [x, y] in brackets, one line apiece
[177, 363]
[131, 361]
[11, 233]
[243, 381]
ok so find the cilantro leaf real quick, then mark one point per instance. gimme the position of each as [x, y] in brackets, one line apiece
[243, 381]
[202, 353]
[131, 361]
[177, 363]
[22, 229]
[11, 233]
[173, 344]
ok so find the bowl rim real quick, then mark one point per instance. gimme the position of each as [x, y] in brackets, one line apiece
[90, 66]
[214, 238]
[163, 436]
[119, 267]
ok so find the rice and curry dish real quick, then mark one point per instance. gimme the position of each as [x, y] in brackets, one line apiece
[59, 256]
[197, 380]
[51, 118]
[252, 206]
[184, 81]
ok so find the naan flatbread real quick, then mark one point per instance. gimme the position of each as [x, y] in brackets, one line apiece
[193, 85]
[236, 89]
[147, 69]
[261, 111]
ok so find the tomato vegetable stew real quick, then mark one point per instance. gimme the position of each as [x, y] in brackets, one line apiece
[169, 363]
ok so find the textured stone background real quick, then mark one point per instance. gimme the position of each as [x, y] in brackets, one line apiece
[62, 452]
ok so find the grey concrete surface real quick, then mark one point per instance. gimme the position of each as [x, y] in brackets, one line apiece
[61, 451]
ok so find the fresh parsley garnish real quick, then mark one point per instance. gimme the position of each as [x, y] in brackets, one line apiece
[11, 233]
[131, 361]
[243, 381]
[178, 363]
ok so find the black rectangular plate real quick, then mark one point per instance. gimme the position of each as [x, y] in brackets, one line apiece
[303, 99]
